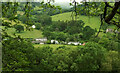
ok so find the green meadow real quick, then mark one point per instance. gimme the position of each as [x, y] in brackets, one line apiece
[93, 22]
[26, 34]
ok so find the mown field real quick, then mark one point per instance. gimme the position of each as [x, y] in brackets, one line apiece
[93, 22]
[26, 34]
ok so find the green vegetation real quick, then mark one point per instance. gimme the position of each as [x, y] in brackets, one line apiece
[93, 22]
[26, 34]
[54, 46]
[54, 58]
[19, 28]
[22, 53]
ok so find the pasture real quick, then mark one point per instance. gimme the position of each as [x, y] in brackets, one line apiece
[93, 22]
[26, 34]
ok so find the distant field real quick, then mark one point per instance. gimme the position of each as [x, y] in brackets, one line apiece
[26, 34]
[93, 22]
[54, 46]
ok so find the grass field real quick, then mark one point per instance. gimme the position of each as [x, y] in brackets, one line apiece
[26, 34]
[93, 22]
[54, 46]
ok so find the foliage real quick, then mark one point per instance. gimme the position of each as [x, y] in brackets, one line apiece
[19, 28]
[43, 19]
[18, 55]
[38, 26]
[88, 31]
[92, 55]
[109, 44]
[112, 61]
[23, 18]
[62, 31]
[69, 59]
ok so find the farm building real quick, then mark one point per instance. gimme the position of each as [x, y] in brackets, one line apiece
[40, 41]
[75, 43]
[109, 30]
[54, 42]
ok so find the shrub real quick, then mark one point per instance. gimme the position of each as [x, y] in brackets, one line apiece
[19, 28]
[109, 44]
[17, 55]
[91, 57]
[112, 61]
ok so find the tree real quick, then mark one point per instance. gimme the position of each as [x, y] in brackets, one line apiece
[91, 58]
[38, 26]
[61, 36]
[19, 28]
[88, 32]
[18, 55]
[23, 18]
[45, 20]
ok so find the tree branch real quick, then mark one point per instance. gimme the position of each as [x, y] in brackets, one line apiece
[115, 23]
[114, 10]
[112, 7]
[105, 9]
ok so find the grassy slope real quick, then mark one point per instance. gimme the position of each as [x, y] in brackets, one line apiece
[27, 34]
[93, 22]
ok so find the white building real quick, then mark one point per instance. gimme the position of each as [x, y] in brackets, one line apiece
[41, 39]
[109, 30]
[54, 41]
[75, 43]
[33, 26]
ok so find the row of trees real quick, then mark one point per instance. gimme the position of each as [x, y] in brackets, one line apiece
[68, 31]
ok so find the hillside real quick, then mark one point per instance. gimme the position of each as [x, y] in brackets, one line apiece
[93, 22]
[26, 34]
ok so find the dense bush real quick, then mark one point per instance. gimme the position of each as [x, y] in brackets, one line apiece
[91, 57]
[43, 19]
[88, 31]
[38, 26]
[19, 28]
[87, 57]
[23, 18]
[112, 61]
[68, 31]
[17, 55]
[109, 44]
